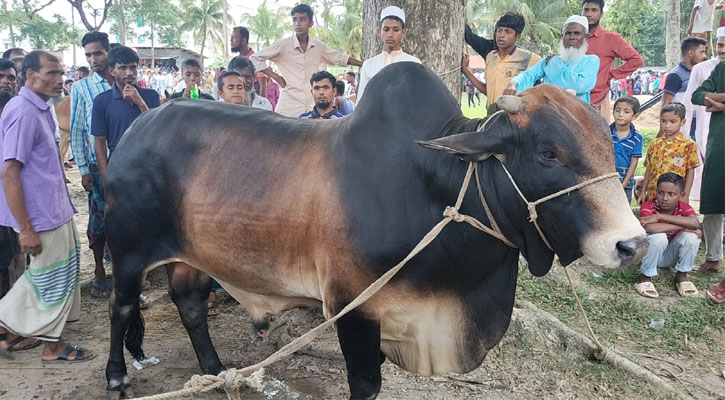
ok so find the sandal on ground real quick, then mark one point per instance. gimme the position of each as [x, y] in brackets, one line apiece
[213, 308]
[716, 293]
[101, 291]
[687, 289]
[69, 348]
[20, 343]
[647, 289]
[5, 353]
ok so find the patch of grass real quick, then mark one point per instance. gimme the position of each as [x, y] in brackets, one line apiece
[618, 316]
[473, 112]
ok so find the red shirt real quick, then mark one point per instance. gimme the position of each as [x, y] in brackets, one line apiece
[607, 46]
[650, 207]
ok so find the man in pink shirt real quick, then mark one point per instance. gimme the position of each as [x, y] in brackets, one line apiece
[607, 46]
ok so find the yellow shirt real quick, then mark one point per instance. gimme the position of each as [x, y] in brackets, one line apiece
[676, 154]
[500, 71]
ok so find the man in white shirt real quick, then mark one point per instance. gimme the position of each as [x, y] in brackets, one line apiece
[392, 32]
[699, 74]
[701, 19]
[298, 57]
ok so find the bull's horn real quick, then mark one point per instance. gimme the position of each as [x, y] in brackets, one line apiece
[511, 104]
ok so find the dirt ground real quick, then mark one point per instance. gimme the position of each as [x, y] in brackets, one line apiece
[523, 366]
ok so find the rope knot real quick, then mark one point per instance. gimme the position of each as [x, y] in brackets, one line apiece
[452, 213]
[533, 215]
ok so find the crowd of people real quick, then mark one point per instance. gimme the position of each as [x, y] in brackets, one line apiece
[45, 110]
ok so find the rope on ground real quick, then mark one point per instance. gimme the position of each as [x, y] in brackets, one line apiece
[230, 380]
[599, 352]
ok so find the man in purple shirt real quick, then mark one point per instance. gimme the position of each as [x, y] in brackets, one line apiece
[35, 202]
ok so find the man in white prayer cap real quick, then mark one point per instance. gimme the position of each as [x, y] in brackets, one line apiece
[571, 69]
[392, 32]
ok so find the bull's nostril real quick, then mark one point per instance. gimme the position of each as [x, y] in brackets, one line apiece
[627, 249]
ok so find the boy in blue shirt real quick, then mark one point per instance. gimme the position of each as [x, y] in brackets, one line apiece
[627, 141]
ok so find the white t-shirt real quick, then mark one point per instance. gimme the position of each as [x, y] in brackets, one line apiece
[703, 16]
[373, 65]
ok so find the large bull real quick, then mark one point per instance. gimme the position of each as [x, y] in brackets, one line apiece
[286, 213]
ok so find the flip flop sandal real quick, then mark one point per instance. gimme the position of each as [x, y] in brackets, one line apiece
[716, 293]
[5, 353]
[687, 289]
[69, 348]
[15, 345]
[101, 291]
[647, 289]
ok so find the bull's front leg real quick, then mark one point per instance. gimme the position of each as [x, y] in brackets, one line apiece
[360, 342]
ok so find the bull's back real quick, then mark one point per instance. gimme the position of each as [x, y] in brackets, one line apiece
[239, 192]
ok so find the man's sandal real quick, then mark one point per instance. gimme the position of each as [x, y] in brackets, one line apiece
[69, 348]
[646, 289]
[18, 344]
[716, 293]
[687, 289]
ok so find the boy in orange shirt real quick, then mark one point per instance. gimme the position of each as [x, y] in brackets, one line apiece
[671, 152]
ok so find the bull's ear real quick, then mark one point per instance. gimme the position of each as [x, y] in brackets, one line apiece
[476, 146]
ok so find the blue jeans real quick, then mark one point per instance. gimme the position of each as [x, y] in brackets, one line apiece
[628, 192]
[680, 253]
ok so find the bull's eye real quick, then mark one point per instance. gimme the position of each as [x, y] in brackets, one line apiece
[549, 155]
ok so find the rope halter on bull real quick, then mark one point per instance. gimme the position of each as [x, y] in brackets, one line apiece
[231, 380]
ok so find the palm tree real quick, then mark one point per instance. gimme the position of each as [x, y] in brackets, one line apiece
[204, 19]
[267, 25]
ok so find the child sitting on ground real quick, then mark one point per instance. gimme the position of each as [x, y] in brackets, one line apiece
[627, 141]
[671, 152]
[673, 234]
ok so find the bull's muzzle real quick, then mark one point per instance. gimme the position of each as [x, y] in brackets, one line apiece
[632, 250]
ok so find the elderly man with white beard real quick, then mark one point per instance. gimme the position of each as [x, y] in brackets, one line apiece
[571, 69]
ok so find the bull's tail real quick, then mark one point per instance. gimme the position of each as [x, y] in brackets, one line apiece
[134, 333]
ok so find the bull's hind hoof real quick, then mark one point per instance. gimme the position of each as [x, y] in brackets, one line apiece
[128, 393]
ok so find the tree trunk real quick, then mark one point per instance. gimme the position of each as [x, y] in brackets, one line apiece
[6, 12]
[672, 32]
[203, 43]
[225, 32]
[121, 24]
[434, 34]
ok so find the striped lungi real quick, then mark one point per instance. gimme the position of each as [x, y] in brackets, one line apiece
[39, 303]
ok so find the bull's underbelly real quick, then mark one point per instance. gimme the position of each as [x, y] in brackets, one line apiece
[423, 334]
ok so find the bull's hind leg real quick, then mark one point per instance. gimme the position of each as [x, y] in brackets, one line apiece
[360, 342]
[189, 291]
[126, 322]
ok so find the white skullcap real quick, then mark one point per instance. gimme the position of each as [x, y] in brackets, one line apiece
[576, 19]
[392, 11]
[721, 31]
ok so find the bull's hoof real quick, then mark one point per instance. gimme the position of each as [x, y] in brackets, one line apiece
[113, 395]
[128, 393]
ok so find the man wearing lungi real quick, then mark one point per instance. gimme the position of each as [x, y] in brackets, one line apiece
[35, 203]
